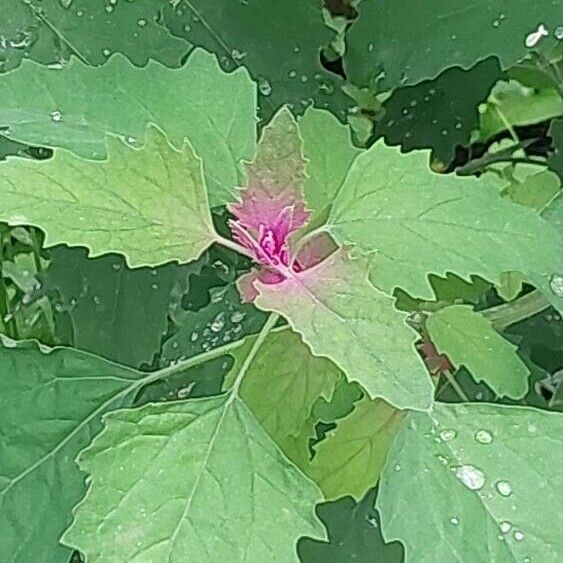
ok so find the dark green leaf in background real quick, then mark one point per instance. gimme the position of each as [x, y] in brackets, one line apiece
[279, 43]
[49, 31]
[401, 43]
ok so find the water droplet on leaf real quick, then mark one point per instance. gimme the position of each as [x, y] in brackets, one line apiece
[556, 284]
[505, 527]
[264, 86]
[483, 437]
[56, 116]
[448, 435]
[504, 488]
[472, 477]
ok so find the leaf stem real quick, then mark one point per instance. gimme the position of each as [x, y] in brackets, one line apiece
[502, 316]
[268, 326]
[235, 246]
[7, 320]
[457, 388]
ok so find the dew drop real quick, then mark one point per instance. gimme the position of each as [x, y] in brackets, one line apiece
[496, 23]
[397, 467]
[448, 435]
[56, 116]
[264, 86]
[518, 536]
[237, 317]
[470, 476]
[556, 284]
[142, 22]
[505, 527]
[558, 33]
[218, 323]
[454, 520]
[532, 39]
[292, 74]
[371, 47]
[109, 9]
[504, 488]
[66, 4]
[106, 52]
[96, 300]
[483, 437]
[194, 336]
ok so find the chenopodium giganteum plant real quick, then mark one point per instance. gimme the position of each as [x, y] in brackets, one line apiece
[236, 476]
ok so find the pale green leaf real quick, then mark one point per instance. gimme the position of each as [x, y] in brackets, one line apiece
[473, 471]
[282, 384]
[149, 204]
[469, 339]
[51, 402]
[532, 188]
[341, 316]
[419, 222]
[399, 43]
[349, 460]
[189, 102]
[198, 479]
[328, 148]
[513, 104]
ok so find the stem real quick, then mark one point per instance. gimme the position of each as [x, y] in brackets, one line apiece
[235, 246]
[479, 164]
[504, 119]
[200, 358]
[268, 326]
[502, 316]
[459, 391]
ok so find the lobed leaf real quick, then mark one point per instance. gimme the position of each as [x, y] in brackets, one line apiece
[199, 477]
[188, 102]
[341, 316]
[418, 222]
[149, 204]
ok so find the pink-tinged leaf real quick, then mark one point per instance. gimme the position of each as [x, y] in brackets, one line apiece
[314, 251]
[343, 317]
[271, 206]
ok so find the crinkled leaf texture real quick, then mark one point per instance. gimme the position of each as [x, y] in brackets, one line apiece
[418, 222]
[189, 102]
[149, 204]
[51, 403]
[198, 480]
[341, 316]
[475, 471]
[468, 338]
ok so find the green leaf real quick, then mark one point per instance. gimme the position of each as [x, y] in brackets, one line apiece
[350, 458]
[51, 401]
[392, 43]
[199, 477]
[103, 307]
[475, 471]
[469, 339]
[280, 387]
[278, 42]
[189, 102]
[439, 113]
[354, 535]
[149, 204]
[555, 160]
[49, 31]
[341, 316]
[419, 222]
[517, 105]
[327, 147]
[535, 190]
